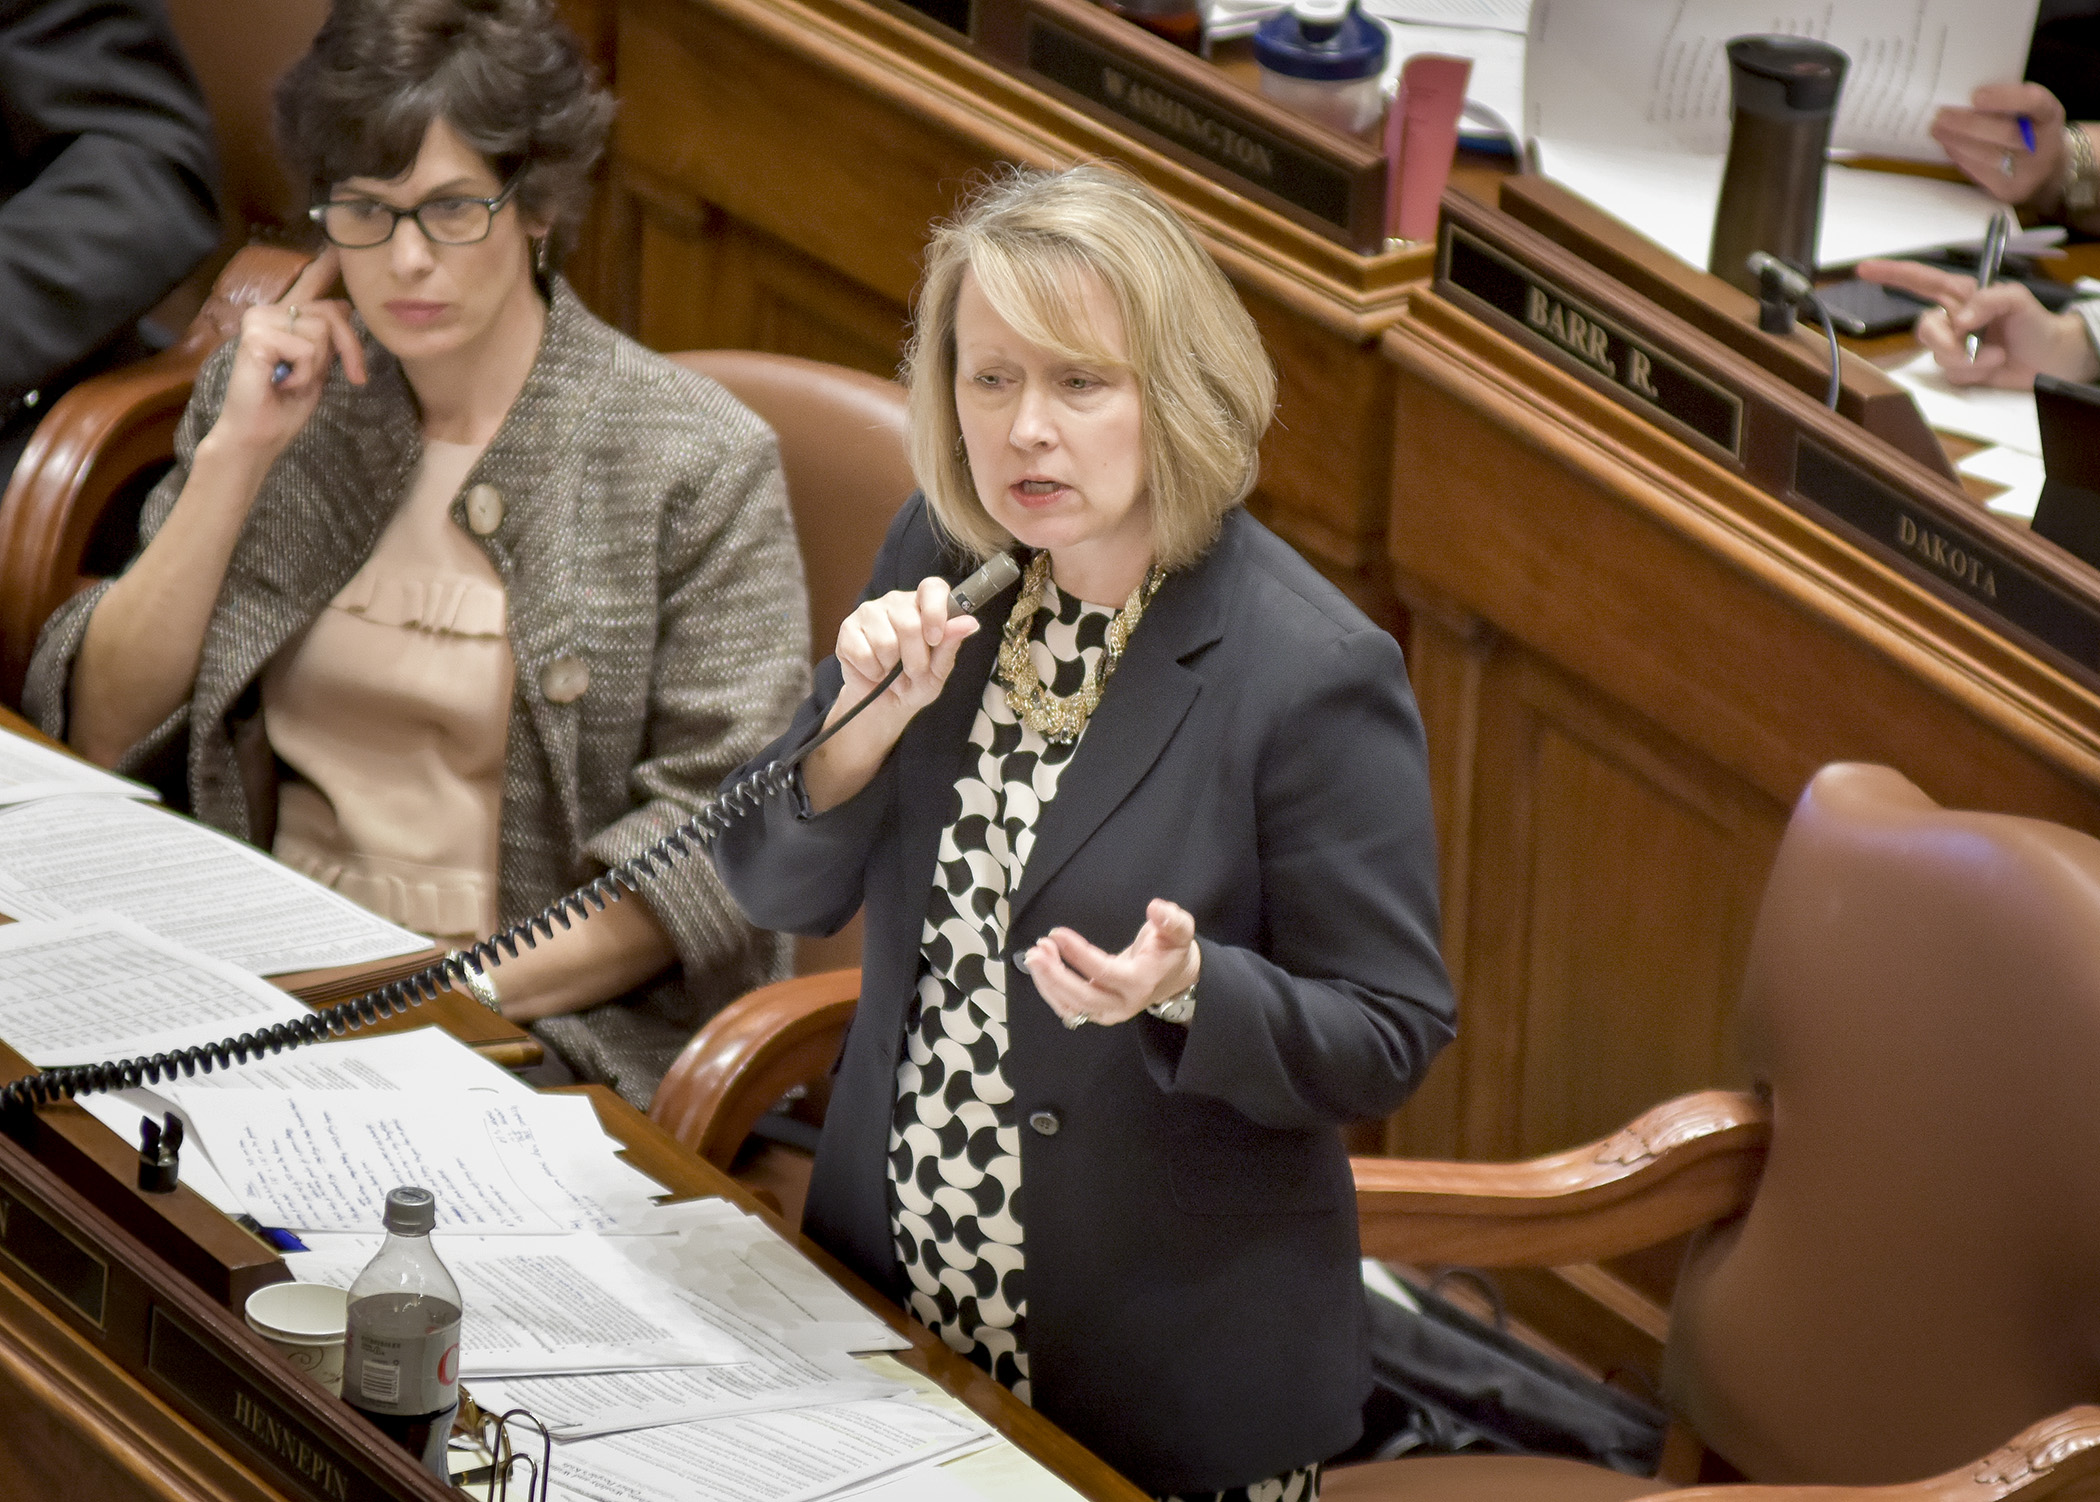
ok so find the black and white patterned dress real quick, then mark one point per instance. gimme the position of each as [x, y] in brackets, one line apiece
[955, 1143]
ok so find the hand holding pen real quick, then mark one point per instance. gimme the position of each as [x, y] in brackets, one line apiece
[2010, 141]
[281, 364]
[1988, 265]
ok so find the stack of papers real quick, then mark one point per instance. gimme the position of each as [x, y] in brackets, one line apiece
[2004, 420]
[674, 1351]
[64, 856]
[29, 771]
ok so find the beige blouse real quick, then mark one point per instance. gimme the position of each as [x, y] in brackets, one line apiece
[392, 712]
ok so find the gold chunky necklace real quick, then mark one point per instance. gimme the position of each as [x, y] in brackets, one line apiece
[1057, 719]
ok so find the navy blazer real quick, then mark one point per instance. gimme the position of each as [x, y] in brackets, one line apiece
[1195, 1309]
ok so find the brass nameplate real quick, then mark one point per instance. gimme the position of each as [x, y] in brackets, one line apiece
[1956, 556]
[1549, 319]
[215, 1393]
[50, 1256]
[1117, 71]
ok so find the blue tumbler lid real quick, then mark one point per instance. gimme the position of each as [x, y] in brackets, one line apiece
[1304, 43]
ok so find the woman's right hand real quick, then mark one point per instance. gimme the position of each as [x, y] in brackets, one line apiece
[913, 629]
[2018, 338]
[304, 330]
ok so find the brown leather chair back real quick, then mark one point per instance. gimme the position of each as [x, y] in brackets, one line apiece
[1919, 1275]
[239, 49]
[97, 446]
[842, 436]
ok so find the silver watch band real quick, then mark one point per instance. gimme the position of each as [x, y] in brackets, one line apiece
[480, 985]
[1178, 1008]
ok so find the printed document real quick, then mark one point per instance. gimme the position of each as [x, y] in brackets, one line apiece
[428, 1060]
[324, 1160]
[29, 770]
[549, 1304]
[79, 990]
[579, 1407]
[1628, 105]
[1654, 77]
[736, 1261]
[62, 856]
[794, 1455]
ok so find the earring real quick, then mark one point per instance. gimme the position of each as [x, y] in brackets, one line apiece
[539, 254]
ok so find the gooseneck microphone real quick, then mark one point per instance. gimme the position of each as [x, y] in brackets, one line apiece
[1780, 289]
[695, 834]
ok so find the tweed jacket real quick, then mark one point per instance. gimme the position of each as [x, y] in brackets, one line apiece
[1195, 1304]
[648, 556]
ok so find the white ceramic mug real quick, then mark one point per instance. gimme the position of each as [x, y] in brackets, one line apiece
[305, 1323]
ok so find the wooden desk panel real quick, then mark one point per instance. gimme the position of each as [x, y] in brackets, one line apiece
[778, 163]
[1630, 661]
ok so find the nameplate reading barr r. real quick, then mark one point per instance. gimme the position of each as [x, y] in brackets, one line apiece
[1549, 319]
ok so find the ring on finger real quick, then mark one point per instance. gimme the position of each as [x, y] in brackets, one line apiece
[2005, 165]
[1076, 1021]
[293, 321]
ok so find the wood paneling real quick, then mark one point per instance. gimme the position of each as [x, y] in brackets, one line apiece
[1629, 663]
[777, 165]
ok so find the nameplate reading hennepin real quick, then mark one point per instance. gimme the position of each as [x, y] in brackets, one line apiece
[217, 1394]
[1189, 121]
[1576, 336]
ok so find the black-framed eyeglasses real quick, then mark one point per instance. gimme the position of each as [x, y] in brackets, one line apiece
[361, 223]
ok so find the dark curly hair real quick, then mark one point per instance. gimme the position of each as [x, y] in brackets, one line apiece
[508, 75]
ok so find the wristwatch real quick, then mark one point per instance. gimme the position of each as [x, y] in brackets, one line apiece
[1178, 1008]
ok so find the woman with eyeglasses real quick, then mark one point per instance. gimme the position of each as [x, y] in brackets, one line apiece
[455, 596]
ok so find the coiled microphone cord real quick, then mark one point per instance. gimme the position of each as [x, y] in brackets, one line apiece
[450, 973]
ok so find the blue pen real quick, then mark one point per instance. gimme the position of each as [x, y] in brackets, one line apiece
[2027, 134]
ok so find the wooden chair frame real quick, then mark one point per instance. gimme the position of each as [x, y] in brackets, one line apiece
[93, 443]
[1687, 1163]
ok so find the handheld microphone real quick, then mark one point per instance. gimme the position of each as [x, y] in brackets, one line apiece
[970, 596]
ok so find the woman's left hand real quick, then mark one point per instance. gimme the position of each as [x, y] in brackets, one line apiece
[1079, 980]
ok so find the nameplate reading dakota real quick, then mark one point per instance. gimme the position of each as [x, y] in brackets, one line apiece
[1999, 581]
[1573, 334]
[1193, 123]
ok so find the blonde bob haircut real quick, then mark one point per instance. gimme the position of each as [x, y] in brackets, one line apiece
[1205, 384]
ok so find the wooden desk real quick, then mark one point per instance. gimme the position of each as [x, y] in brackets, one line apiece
[85, 1423]
[1630, 659]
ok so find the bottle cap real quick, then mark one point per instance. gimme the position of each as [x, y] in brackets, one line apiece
[1321, 39]
[411, 1211]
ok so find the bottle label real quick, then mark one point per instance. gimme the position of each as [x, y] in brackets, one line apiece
[399, 1371]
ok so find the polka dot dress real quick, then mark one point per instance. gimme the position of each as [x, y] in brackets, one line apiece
[955, 1144]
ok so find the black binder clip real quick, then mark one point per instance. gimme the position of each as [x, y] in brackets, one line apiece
[160, 1153]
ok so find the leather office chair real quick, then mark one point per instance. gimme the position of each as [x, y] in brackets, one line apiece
[1896, 1290]
[95, 454]
[842, 436]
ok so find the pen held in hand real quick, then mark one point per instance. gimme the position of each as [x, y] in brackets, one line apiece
[280, 372]
[1988, 264]
[2026, 133]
